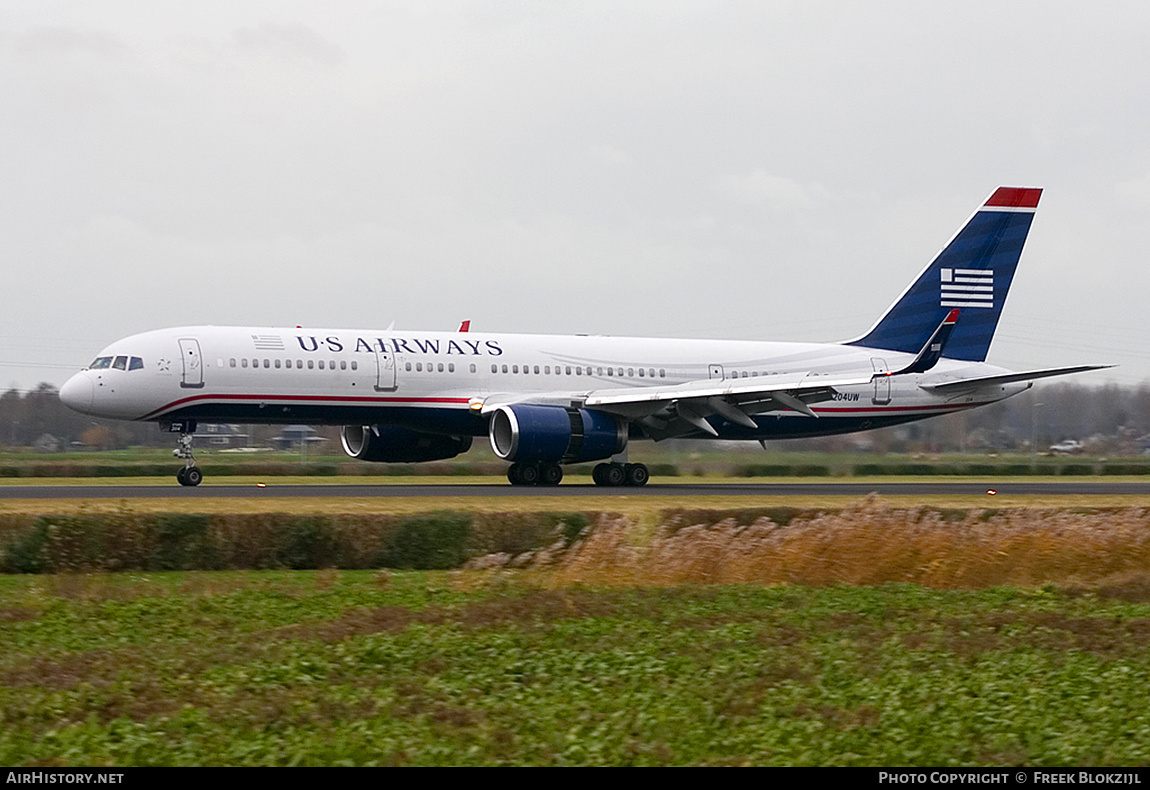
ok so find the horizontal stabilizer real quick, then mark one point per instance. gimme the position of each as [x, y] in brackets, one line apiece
[1009, 378]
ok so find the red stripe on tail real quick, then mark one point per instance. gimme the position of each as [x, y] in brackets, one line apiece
[1014, 197]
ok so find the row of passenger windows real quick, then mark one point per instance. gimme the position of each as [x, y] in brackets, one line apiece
[580, 370]
[432, 366]
[117, 363]
[440, 367]
[312, 364]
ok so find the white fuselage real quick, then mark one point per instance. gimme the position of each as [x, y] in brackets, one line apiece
[439, 381]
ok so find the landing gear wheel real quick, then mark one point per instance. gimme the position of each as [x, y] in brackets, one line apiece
[189, 476]
[614, 475]
[636, 474]
[550, 474]
[528, 475]
[597, 474]
[513, 474]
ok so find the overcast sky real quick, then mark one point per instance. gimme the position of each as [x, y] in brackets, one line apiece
[759, 170]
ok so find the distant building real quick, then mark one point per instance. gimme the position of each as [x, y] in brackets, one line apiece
[292, 437]
[222, 435]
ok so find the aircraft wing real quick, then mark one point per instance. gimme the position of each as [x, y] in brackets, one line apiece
[683, 408]
[1008, 378]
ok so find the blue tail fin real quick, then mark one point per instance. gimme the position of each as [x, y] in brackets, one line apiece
[973, 272]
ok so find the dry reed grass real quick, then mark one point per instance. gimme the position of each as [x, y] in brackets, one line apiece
[872, 543]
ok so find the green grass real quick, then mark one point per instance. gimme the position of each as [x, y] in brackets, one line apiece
[363, 668]
[687, 460]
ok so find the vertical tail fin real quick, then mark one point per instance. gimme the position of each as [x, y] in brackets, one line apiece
[973, 272]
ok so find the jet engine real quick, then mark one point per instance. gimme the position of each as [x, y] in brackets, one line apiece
[528, 433]
[399, 445]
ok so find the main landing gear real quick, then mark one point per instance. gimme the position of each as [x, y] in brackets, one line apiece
[620, 475]
[605, 474]
[535, 474]
[189, 474]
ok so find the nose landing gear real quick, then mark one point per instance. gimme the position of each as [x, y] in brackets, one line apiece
[189, 474]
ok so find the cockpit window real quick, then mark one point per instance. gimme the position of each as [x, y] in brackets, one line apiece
[121, 363]
[100, 363]
[136, 364]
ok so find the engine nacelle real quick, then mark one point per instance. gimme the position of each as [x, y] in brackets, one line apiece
[399, 445]
[522, 432]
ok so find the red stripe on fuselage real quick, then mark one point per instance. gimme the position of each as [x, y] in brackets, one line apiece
[324, 399]
[836, 410]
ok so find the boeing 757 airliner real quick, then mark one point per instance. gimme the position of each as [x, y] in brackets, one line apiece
[548, 400]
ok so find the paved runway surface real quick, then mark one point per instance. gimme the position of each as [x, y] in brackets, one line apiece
[1047, 488]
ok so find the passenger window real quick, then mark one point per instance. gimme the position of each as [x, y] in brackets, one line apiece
[407, 367]
[354, 365]
[244, 362]
[662, 373]
[419, 366]
[439, 367]
[640, 373]
[343, 364]
[504, 368]
[568, 370]
[287, 364]
[494, 368]
[121, 363]
[514, 368]
[311, 364]
[232, 362]
[277, 364]
[450, 367]
[136, 364]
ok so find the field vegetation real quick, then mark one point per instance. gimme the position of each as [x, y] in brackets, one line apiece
[500, 667]
[870, 633]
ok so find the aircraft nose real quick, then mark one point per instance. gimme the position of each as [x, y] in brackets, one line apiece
[77, 393]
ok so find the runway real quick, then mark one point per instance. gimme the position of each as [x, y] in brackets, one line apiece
[733, 490]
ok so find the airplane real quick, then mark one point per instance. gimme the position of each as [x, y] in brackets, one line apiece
[548, 400]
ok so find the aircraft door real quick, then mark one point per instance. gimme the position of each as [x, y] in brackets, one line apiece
[384, 369]
[881, 383]
[193, 363]
[715, 372]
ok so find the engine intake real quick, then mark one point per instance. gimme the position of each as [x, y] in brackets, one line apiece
[522, 432]
[399, 445]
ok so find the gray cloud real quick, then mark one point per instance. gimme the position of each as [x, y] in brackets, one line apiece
[761, 170]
